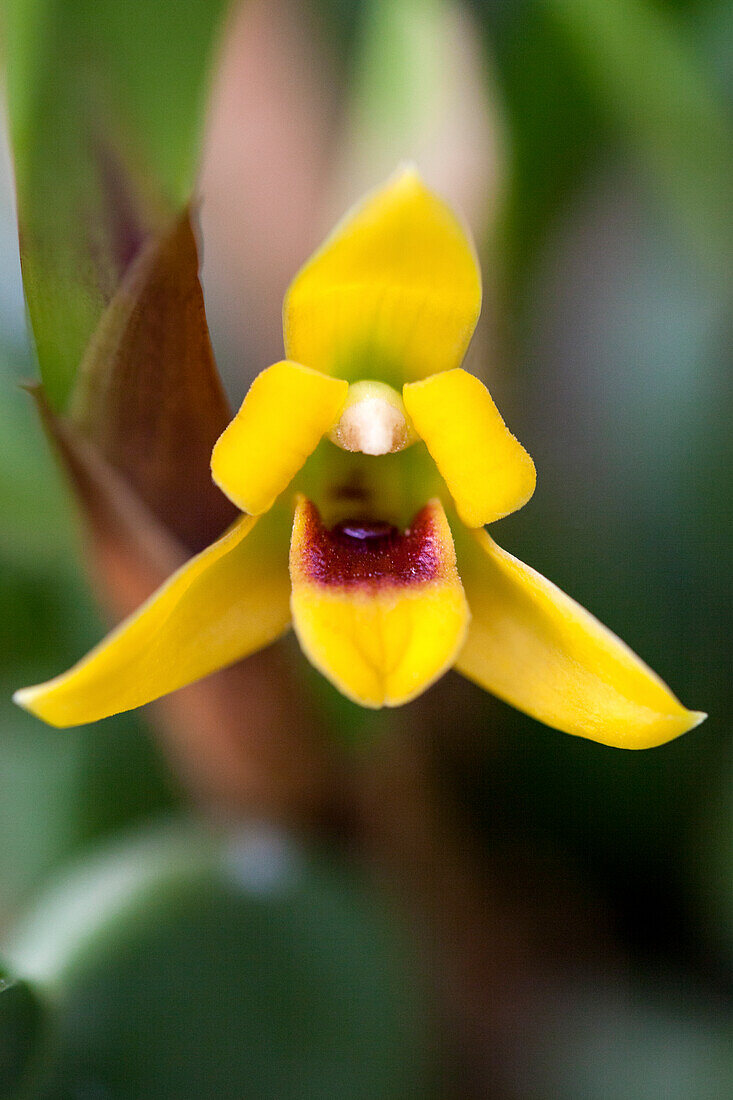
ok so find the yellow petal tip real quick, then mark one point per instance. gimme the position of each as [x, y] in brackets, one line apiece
[658, 730]
[536, 648]
[408, 174]
[23, 698]
[31, 699]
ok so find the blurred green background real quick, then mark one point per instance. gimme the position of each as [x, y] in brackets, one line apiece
[588, 142]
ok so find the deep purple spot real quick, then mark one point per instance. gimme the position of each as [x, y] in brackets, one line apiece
[373, 554]
[363, 531]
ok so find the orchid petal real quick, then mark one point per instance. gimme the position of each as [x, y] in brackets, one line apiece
[282, 419]
[394, 293]
[488, 472]
[223, 604]
[539, 650]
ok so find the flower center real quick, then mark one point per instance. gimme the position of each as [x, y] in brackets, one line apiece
[373, 421]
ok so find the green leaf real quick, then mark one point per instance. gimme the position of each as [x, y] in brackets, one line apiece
[182, 966]
[23, 1030]
[654, 90]
[105, 101]
[29, 484]
[549, 148]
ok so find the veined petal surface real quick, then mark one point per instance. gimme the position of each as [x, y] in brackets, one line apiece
[380, 614]
[538, 649]
[487, 470]
[220, 606]
[282, 419]
[394, 293]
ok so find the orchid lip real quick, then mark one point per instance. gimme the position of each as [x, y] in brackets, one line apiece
[378, 609]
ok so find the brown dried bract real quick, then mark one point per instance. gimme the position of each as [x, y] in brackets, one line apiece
[148, 394]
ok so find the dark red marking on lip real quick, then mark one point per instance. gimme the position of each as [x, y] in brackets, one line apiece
[359, 552]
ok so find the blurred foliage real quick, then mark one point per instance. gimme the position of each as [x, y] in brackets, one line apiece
[23, 1031]
[654, 88]
[553, 133]
[271, 973]
[635, 1047]
[580, 76]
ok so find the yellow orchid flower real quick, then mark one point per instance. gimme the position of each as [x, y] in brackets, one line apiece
[369, 450]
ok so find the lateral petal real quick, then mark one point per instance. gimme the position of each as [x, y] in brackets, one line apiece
[286, 412]
[223, 604]
[539, 650]
[379, 613]
[394, 293]
[487, 470]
